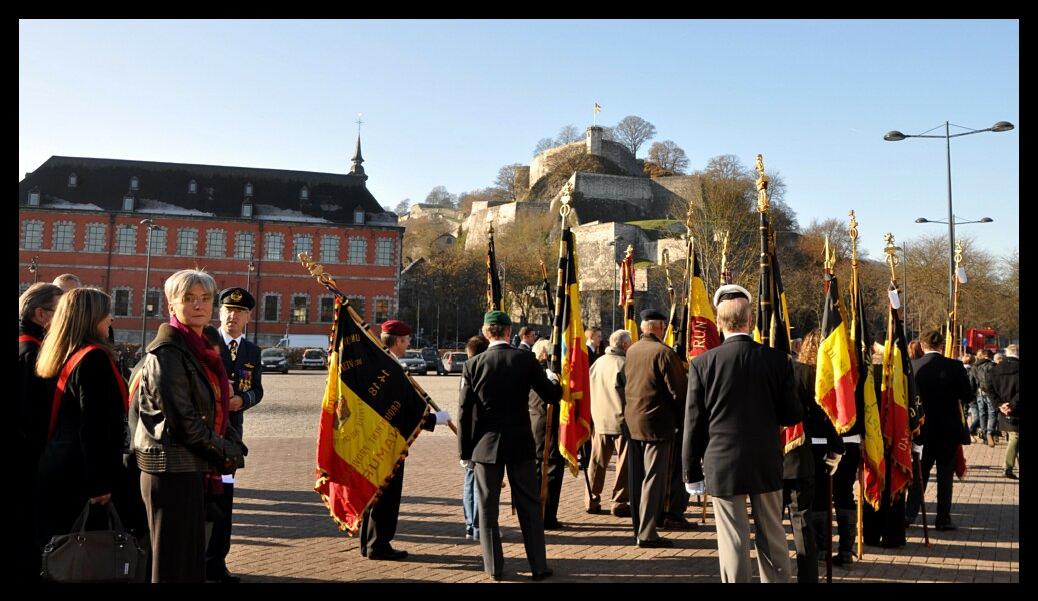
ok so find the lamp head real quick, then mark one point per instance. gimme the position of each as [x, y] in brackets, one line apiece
[894, 136]
[922, 220]
[986, 220]
[1002, 126]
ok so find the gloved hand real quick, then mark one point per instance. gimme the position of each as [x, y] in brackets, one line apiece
[551, 376]
[441, 417]
[696, 488]
[832, 461]
[917, 449]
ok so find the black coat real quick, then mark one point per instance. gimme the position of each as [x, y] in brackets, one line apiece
[944, 388]
[34, 399]
[799, 462]
[739, 394]
[246, 377]
[1005, 388]
[538, 417]
[494, 414]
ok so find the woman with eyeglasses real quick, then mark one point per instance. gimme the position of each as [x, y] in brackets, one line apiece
[82, 456]
[178, 423]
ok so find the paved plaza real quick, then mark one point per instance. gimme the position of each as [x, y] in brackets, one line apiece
[282, 531]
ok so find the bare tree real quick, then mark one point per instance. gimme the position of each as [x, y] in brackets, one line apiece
[542, 145]
[567, 135]
[439, 196]
[403, 206]
[506, 180]
[668, 155]
[633, 131]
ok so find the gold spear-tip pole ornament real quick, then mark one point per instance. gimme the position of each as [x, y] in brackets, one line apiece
[830, 257]
[958, 253]
[567, 193]
[763, 195]
[892, 259]
[854, 239]
[317, 270]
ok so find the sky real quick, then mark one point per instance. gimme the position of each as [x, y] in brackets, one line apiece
[450, 102]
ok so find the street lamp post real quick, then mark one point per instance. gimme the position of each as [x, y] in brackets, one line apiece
[896, 136]
[34, 269]
[248, 282]
[614, 302]
[147, 271]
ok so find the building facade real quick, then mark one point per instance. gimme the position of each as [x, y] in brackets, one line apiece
[244, 226]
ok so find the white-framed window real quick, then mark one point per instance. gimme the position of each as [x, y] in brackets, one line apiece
[358, 216]
[135, 183]
[248, 189]
[273, 246]
[271, 306]
[300, 308]
[384, 251]
[192, 187]
[63, 234]
[127, 203]
[32, 234]
[304, 193]
[187, 241]
[243, 245]
[126, 239]
[329, 249]
[246, 209]
[122, 299]
[157, 240]
[303, 243]
[72, 180]
[358, 250]
[357, 302]
[153, 302]
[95, 240]
[326, 308]
[215, 243]
[34, 198]
[381, 309]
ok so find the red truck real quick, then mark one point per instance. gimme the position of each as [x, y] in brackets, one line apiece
[978, 338]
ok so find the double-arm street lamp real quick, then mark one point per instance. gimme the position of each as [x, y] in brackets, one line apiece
[34, 269]
[614, 302]
[147, 270]
[896, 136]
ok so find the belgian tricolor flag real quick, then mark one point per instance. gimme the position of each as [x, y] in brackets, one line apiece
[627, 295]
[493, 278]
[835, 375]
[873, 463]
[370, 415]
[569, 357]
[702, 325]
[902, 416]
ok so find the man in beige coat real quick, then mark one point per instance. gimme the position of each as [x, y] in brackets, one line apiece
[607, 415]
[654, 406]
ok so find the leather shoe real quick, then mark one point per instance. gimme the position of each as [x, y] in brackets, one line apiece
[659, 543]
[672, 522]
[388, 554]
[222, 576]
[945, 526]
[621, 511]
[594, 510]
[542, 575]
[554, 525]
[1009, 474]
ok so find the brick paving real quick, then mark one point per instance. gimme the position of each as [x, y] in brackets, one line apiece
[282, 532]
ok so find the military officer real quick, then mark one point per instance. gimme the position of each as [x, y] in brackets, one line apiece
[241, 359]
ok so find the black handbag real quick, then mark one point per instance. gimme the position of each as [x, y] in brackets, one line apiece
[112, 555]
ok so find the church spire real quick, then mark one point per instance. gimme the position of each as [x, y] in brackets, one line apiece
[358, 169]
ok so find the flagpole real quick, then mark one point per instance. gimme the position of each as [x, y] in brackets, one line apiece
[323, 277]
[860, 526]
[548, 412]
[764, 295]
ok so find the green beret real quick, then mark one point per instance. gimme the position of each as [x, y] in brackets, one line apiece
[499, 318]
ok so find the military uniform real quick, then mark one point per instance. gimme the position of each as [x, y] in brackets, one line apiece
[241, 359]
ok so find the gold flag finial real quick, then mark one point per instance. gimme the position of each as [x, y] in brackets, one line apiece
[958, 252]
[830, 257]
[854, 239]
[763, 197]
[892, 259]
[316, 270]
[629, 252]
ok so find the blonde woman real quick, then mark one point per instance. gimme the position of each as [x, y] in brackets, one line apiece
[82, 458]
[179, 428]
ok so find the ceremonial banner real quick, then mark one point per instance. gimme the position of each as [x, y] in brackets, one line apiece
[370, 415]
[835, 376]
[627, 295]
[873, 465]
[702, 325]
[493, 278]
[901, 407]
[570, 359]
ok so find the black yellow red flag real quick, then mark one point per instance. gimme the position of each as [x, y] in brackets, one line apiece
[835, 374]
[901, 410]
[493, 278]
[370, 415]
[702, 325]
[873, 462]
[627, 294]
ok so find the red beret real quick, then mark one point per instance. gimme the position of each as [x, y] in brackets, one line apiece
[396, 327]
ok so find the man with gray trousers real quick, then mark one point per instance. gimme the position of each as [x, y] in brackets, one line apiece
[739, 394]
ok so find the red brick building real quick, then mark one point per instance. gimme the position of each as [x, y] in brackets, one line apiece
[84, 216]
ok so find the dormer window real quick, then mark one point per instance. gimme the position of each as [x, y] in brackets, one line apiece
[192, 187]
[248, 189]
[72, 180]
[304, 193]
[358, 216]
[246, 209]
[128, 202]
[135, 183]
[34, 198]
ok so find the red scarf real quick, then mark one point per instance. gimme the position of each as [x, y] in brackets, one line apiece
[215, 373]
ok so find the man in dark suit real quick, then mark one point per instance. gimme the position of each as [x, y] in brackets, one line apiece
[739, 394]
[241, 359]
[495, 433]
[944, 388]
[527, 338]
[653, 392]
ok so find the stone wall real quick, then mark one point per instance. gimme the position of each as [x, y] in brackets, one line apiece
[539, 164]
[619, 154]
[502, 215]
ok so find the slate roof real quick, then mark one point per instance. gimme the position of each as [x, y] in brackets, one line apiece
[220, 190]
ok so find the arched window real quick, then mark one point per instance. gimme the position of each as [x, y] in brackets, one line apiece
[192, 187]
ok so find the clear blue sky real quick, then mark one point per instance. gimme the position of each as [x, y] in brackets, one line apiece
[449, 102]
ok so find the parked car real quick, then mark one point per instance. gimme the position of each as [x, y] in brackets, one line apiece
[432, 362]
[413, 362]
[314, 357]
[274, 359]
[454, 362]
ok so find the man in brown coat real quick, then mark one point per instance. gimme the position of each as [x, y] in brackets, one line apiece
[654, 393]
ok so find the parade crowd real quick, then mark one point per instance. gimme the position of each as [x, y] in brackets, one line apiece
[163, 442]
